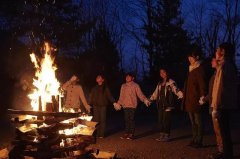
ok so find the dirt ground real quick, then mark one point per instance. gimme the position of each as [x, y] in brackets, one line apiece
[146, 147]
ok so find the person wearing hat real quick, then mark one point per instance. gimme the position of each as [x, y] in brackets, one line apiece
[75, 95]
[129, 93]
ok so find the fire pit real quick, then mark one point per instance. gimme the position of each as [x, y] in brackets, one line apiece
[46, 132]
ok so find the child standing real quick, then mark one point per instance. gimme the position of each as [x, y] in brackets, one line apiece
[100, 97]
[164, 96]
[128, 100]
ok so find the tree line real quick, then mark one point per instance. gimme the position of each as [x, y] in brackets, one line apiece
[91, 36]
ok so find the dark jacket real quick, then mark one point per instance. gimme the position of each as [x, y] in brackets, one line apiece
[170, 94]
[194, 88]
[100, 96]
[229, 86]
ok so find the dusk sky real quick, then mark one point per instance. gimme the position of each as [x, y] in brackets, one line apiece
[190, 9]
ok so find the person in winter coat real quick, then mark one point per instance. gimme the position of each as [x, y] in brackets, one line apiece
[164, 95]
[194, 90]
[75, 95]
[224, 99]
[100, 97]
[128, 100]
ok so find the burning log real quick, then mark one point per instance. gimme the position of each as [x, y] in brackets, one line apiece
[40, 103]
[55, 103]
[47, 132]
[44, 113]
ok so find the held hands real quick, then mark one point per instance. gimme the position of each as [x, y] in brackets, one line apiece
[215, 114]
[201, 100]
[88, 108]
[147, 102]
[117, 106]
[180, 94]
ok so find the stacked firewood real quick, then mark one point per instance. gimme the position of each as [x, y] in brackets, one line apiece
[48, 135]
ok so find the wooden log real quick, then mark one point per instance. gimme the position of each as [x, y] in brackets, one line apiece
[44, 113]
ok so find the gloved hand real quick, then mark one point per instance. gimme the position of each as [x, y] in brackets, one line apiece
[88, 108]
[180, 94]
[215, 114]
[73, 78]
[201, 100]
[117, 106]
[147, 102]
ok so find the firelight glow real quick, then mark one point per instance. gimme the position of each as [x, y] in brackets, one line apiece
[45, 82]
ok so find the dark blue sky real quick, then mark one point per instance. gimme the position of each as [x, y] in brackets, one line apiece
[196, 15]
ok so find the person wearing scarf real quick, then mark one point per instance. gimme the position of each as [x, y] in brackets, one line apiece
[194, 90]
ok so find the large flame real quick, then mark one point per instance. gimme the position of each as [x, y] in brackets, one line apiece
[45, 81]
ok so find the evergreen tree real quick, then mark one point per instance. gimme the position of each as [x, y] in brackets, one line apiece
[60, 22]
[167, 41]
[105, 53]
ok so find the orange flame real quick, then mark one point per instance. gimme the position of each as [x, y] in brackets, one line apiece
[45, 81]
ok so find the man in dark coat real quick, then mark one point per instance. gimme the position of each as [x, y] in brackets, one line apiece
[194, 90]
[224, 98]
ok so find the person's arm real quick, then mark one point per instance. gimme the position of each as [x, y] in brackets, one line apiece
[83, 99]
[91, 96]
[140, 94]
[155, 94]
[66, 85]
[202, 83]
[109, 95]
[121, 96]
[175, 89]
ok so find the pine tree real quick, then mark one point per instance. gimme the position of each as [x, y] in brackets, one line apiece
[167, 40]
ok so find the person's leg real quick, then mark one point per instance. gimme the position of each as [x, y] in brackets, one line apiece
[218, 134]
[166, 125]
[132, 121]
[199, 136]
[194, 129]
[102, 121]
[223, 118]
[160, 119]
[160, 123]
[96, 118]
[127, 122]
[167, 122]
